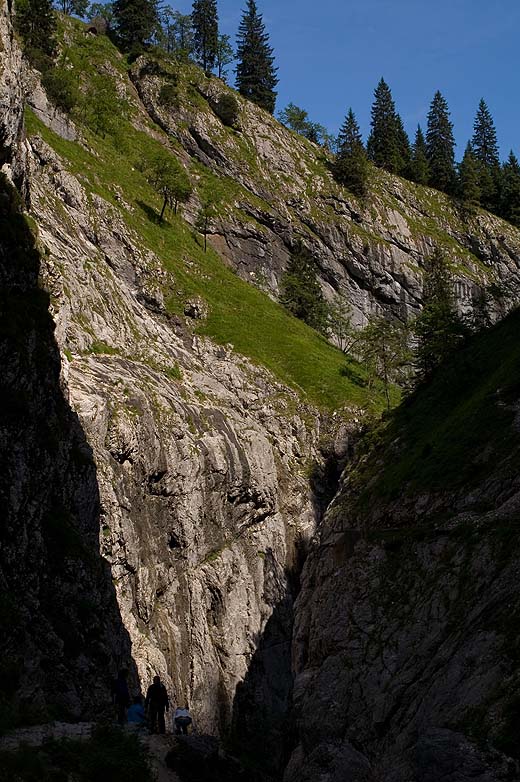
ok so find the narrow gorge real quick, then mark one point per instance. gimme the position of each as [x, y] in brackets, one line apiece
[181, 499]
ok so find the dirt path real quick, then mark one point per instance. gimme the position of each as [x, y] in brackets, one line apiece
[37, 735]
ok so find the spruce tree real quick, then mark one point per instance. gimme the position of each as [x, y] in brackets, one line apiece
[485, 150]
[510, 190]
[135, 21]
[403, 145]
[36, 23]
[386, 145]
[301, 291]
[440, 145]
[439, 328]
[419, 168]
[350, 167]
[469, 178]
[204, 16]
[256, 73]
[484, 141]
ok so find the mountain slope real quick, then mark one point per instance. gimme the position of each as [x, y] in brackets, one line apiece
[406, 641]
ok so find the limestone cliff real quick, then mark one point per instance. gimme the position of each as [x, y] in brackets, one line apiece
[143, 452]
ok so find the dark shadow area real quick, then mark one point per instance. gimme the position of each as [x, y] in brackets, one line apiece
[201, 759]
[62, 636]
[151, 213]
[262, 732]
[353, 375]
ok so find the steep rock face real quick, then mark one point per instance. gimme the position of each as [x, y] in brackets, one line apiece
[370, 253]
[12, 76]
[202, 459]
[62, 634]
[406, 631]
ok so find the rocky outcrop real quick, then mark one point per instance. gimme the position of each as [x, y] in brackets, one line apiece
[406, 631]
[370, 253]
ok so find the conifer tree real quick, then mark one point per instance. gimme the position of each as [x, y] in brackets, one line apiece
[386, 142]
[439, 329]
[204, 16]
[256, 72]
[135, 21]
[36, 23]
[510, 190]
[351, 165]
[485, 150]
[419, 168]
[469, 178]
[440, 145]
[484, 141]
[403, 145]
[301, 291]
[225, 55]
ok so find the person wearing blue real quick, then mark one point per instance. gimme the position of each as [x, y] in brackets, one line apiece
[120, 695]
[135, 714]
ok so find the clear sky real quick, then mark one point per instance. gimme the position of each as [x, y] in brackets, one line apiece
[331, 54]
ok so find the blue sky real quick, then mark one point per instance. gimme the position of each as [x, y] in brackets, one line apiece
[331, 54]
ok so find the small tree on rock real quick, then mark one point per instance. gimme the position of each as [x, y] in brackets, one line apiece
[439, 329]
[301, 291]
[225, 55]
[205, 217]
[340, 324]
[169, 180]
[383, 350]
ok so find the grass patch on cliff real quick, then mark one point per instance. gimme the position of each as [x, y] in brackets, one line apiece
[239, 313]
[457, 430]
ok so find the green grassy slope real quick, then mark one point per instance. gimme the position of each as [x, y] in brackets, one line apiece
[238, 313]
[459, 429]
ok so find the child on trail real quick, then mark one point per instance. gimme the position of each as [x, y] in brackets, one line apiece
[183, 720]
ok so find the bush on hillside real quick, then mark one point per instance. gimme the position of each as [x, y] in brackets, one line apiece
[227, 109]
[169, 96]
[61, 88]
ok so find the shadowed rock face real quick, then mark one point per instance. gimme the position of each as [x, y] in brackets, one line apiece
[62, 635]
[406, 642]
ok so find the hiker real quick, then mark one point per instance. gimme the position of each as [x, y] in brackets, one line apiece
[155, 704]
[120, 695]
[136, 713]
[182, 720]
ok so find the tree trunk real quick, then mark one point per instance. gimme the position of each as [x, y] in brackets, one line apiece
[162, 210]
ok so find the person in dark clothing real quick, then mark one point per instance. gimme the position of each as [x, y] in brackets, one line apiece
[155, 704]
[121, 695]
